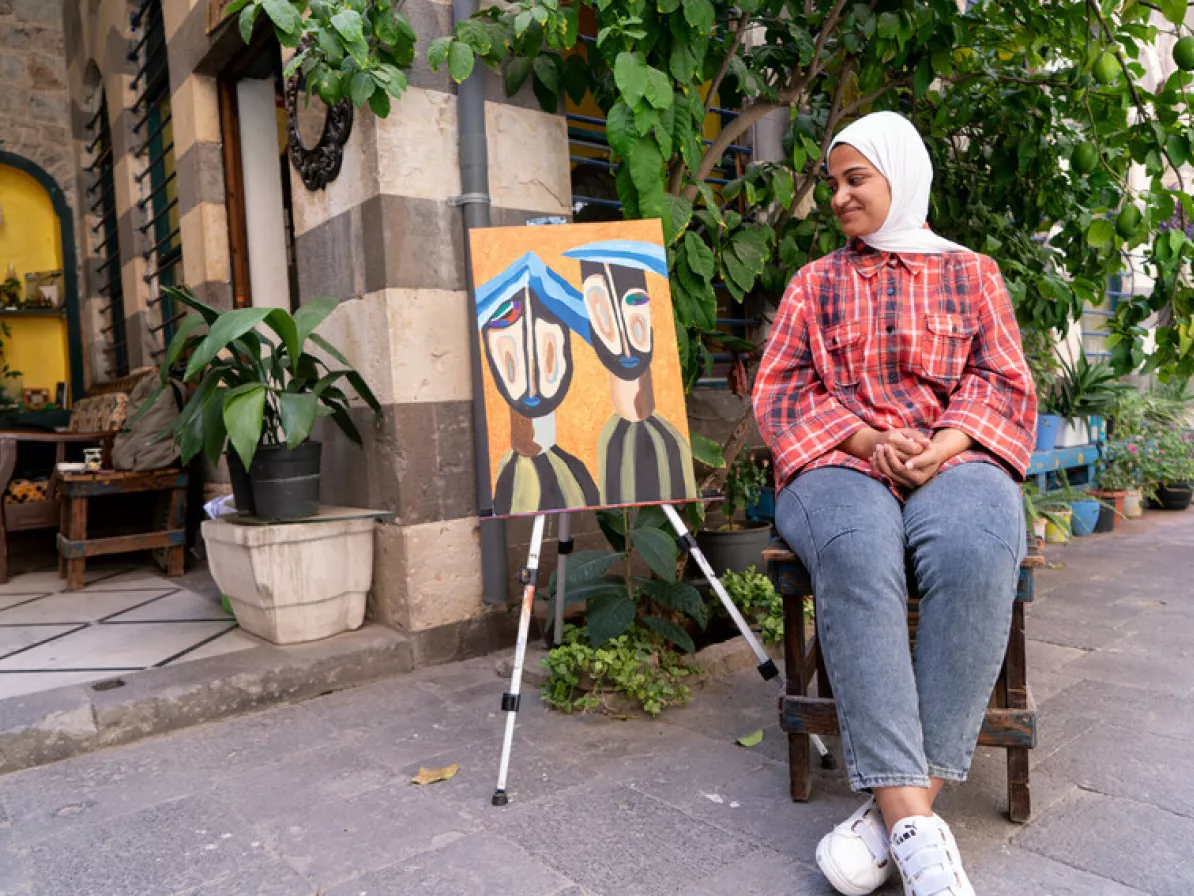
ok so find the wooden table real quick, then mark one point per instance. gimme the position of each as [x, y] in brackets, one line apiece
[74, 490]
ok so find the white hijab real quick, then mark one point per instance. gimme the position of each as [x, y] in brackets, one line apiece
[892, 144]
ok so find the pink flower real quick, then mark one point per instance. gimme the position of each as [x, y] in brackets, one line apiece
[1132, 448]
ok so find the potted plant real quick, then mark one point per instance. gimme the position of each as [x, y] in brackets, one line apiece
[1047, 520]
[256, 398]
[1084, 390]
[736, 546]
[1118, 474]
[1169, 467]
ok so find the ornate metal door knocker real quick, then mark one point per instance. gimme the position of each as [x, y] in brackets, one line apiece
[317, 165]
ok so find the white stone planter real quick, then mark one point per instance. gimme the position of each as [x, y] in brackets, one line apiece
[1073, 433]
[293, 582]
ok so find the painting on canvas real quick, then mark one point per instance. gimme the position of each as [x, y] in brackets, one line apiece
[584, 398]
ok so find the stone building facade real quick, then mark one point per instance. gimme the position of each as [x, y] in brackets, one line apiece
[385, 237]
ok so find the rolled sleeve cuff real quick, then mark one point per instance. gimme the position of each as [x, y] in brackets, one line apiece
[813, 437]
[1003, 437]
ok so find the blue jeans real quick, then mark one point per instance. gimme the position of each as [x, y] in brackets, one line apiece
[905, 718]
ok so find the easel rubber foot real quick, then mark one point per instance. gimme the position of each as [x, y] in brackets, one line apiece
[768, 670]
[500, 798]
[829, 762]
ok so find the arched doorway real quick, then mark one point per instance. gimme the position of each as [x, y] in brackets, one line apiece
[37, 237]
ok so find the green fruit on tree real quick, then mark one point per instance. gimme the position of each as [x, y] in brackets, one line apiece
[1128, 221]
[1106, 68]
[1183, 53]
[1085, 158]
[822, 194]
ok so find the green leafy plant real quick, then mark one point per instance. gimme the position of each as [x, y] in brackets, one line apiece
[1049, 508]
[347, 49]
[1086, 389]
[11, 293]
[251, 389]
[755, 595]
[1167, 456]
[616, 598]
[6, 372]
[1120, 465]
[1038, 345]
[638, 663]
[745, 481]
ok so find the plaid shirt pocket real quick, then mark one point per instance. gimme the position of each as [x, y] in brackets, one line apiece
[844, 344]
[947, 345]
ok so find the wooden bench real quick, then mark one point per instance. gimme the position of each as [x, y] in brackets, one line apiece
[74, 490]
[1010, 720]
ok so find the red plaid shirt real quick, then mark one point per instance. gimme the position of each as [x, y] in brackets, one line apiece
[869, 338]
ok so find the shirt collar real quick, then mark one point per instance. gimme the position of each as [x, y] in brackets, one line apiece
[868, 260]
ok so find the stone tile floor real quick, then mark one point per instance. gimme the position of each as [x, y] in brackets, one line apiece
[127, 618]
[315, 798]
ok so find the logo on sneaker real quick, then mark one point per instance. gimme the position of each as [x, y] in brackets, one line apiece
[904, 836]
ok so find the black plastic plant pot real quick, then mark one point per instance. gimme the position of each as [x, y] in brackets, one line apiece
[1106, 521]
[1175, 495]
[282, 483]
[734, 551]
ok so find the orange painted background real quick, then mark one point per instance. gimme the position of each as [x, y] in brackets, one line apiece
[583, 414]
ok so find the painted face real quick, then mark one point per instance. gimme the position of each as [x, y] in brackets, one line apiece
[530, 354]
[861, 195]
[619, 317]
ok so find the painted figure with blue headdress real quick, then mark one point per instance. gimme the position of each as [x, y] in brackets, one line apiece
[642, 457]
[526, 316]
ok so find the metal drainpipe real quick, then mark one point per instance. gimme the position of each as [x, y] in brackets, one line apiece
[474, 183]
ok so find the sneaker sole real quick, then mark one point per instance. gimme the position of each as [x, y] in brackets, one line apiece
[837, 880]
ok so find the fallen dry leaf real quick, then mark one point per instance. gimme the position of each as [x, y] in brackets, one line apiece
[431, 775]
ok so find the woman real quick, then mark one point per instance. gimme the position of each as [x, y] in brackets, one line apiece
[896, 400]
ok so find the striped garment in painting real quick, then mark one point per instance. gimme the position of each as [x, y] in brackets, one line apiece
[644, 462]
[553, 480]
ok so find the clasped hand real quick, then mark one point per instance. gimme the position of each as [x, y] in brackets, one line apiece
[907, 457]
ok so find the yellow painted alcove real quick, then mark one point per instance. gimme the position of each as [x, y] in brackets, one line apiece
[31, 241]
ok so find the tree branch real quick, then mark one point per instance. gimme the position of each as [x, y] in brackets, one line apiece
[715, 85]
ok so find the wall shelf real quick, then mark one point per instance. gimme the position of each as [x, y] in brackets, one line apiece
[32, 312]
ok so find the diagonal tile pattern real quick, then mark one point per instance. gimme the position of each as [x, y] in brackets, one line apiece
[124, 620]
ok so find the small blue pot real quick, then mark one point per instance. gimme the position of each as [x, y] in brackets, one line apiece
[1046, 431]
[763, 510]
[1086, 517]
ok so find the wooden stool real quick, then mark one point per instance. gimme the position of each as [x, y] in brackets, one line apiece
[74, 547]
[1010, 721]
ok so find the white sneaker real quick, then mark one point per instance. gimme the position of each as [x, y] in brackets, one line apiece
[853, 856]
[925, 851]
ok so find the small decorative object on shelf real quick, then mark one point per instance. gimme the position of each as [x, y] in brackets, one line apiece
[36, 399]
[10, 290]
[43, 289]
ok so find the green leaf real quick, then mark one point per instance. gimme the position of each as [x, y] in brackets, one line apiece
[679, 214]
[889, 25]
[438, 52]
[460, 61]
[671, 631]
[706, 451]
[646, 170]
[666, 7]
[361, 88]
[784, 186]
[298, 416]
[243, 418]
[215, 433]
[700, 14]
[227, 327]
[585, 567]
[1173, 10]
[575, 78]
[609, 615]
[547, 70]
[518, 69]
[248, 19]
[379, 102]
[751, 740]
[474, 34]
[620, 130]
[287, 22]
[658, 550]
[349, 26]
[613, 527]
[1100, 233]
[924, 77]
[699, 255]
[190, 324]
[631, 74]
[679, 596]
[659, 89]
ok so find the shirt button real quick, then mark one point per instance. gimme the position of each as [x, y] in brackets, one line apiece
[893, 378]
[891, 290]
[891, 329]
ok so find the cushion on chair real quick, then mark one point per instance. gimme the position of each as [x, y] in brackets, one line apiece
[26, 491]
[101, 413]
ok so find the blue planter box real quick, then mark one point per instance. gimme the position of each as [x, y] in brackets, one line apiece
[763, 510]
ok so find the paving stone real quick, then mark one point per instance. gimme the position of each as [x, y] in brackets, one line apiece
[330, 842]
[481, 863]
[1131, 764]
[1045, 685]
[764, 873]
[1135, 664]
[161, 850]
[1057, 728]
[611, 839]
[1016, 872]
[1132, 843]
[263, 877]
[1045, 657]
[334, 772]
[13, 878]
[1136, 709]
